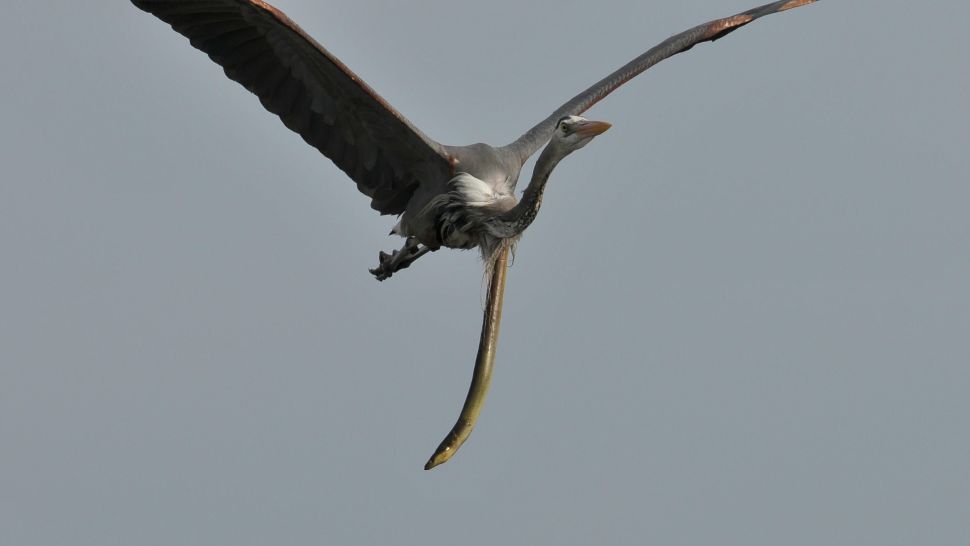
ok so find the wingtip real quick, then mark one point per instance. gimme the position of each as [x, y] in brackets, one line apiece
[795, 4]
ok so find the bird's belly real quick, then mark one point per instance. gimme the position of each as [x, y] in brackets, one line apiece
[441, 223]
[459, 217]
[455, 227]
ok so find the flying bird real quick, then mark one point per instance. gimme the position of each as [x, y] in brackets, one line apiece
[446, 196]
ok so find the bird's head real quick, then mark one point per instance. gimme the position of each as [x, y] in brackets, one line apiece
[574, 132]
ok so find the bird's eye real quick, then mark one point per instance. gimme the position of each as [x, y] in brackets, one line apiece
[565, 129]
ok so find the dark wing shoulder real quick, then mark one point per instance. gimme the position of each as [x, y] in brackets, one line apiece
[535, 137]
[312, 92]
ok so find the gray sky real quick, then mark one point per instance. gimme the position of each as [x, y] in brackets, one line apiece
[742, 317]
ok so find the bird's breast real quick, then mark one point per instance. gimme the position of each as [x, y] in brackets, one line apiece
[461, 213]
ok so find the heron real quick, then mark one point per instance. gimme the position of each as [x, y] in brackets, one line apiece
[445, 196]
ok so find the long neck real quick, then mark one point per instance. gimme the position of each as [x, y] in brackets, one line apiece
[519, 217]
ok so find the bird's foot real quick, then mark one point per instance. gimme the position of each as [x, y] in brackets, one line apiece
[385, 268]
[398, 259]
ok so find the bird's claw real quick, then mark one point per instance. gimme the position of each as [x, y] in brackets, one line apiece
[388, 264]
[385, 268]
[382, 272]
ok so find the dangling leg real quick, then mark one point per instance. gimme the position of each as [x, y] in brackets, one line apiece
[399, 259]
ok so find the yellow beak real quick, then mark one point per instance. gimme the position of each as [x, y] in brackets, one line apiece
[592, 128]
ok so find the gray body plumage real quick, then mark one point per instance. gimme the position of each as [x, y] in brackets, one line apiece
[434, 208]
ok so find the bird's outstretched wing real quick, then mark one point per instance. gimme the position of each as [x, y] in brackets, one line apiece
[314, 94]
[534, 138]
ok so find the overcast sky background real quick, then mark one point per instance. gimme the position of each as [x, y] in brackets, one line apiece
[742, 318]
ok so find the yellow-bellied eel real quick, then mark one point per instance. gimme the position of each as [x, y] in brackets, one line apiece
[482, 376]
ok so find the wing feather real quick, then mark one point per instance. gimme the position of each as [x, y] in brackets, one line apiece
[537, 136]
[312, 92]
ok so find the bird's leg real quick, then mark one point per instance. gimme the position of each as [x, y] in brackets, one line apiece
[398, 259]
